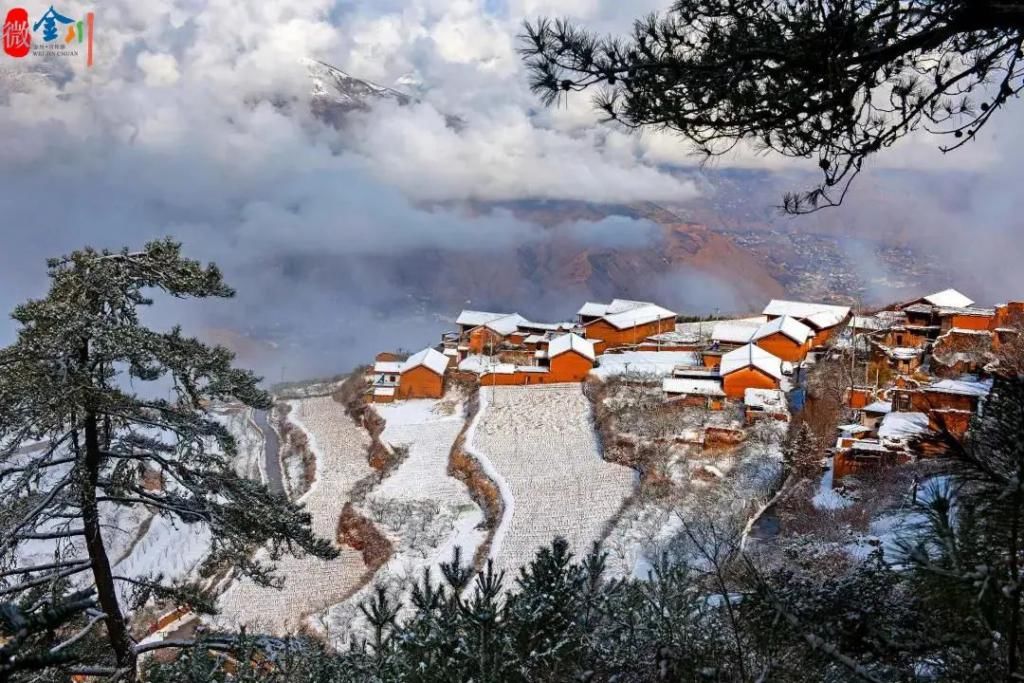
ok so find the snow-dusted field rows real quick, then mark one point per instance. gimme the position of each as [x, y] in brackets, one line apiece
[311, 585]
[423, 510]
[541, 444]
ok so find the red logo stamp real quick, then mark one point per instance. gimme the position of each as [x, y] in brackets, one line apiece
[17, 36]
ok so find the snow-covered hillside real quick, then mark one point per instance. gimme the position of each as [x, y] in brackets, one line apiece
[425, 512]
[540, 446]
[311, 584]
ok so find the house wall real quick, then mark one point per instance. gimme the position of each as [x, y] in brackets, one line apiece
[735, 383]
[785, 348]
[569, 367]
[420, 382]
[711, 360]
[971, 322]
[610, 337]
[822, 337]
[565, 368]
[483, 340]
[858, 397]
[688, 400]
[905, 338]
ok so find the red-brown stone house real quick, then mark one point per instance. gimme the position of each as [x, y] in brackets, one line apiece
[949, 403]
[749, 367]
[694, 392]
[569, 358]
[786, 338]
[422, 375]
[623, 323]
[825, 320]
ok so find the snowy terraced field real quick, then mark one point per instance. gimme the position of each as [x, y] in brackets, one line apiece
[311, 585]
[539, 443]
[423, 510]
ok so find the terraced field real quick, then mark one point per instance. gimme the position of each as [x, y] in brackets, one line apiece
[540, 446]
[311, 585]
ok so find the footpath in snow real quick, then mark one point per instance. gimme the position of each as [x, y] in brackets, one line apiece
[539, 444]
[311, 584]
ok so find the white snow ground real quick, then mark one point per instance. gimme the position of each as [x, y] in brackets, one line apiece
[311, 584]
[425, 512]
[541, 444]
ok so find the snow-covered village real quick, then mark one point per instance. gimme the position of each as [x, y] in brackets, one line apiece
[512, 341]
[803, 427]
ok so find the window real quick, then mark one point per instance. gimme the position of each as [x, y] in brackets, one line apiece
[899, 340]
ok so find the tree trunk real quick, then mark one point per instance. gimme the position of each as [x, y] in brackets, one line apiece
[117, 629]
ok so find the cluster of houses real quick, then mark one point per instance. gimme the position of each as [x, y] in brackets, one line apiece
[937, 354]
[925, 361]
[737, 359]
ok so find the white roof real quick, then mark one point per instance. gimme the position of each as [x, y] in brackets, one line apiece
[867, 322]
[751, 356]
[902, 425]
[592, 310]
[734, 331]
[571, 342]
[477, 318]
[639, 316]
[864, 445]
[434, 361]
[949, 298]
[384, 391]
[765, 399]
[625, 313]
[387, 366]
[791, 327]
[968, 387]
[697, 387]
[854, 428]
[878, 407]
[819, 315]
[903, 352]
[506, 324]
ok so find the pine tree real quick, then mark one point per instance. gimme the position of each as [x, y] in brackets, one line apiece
[967, 553]
[81, 422]
[800, 454]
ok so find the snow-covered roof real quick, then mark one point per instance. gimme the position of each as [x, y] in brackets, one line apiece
[592, 310]
[949, 298]
[734, 331]
[765, 399]
[967, 387]
[696, 387]
[387, 367]
[902, 352]
[868, 322]
[791, 327]
[638, 316]
[867, 445]
[625, 313]
[878, 407]
[819, 315]
[674, 337]
[571, 342]
[506, 325]
[751, 356]
[979, 311]
[384, 391]
[477, 318]
[902, 425]
[854, 428]
[434, 361]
